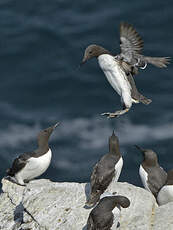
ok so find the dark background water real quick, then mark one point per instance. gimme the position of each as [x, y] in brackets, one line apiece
[41, 45]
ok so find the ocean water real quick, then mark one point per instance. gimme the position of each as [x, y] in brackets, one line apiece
[41, 47]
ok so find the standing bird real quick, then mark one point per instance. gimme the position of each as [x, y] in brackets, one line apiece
[152, 175]
[32, 164]
[165, 194]
[119, 69]
[107, 213]
[107, 170]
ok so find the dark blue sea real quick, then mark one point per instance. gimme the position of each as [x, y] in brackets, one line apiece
[41, 46]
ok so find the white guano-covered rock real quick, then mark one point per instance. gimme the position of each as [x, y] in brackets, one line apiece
[46, 205]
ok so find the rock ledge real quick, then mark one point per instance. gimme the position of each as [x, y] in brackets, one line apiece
[46, 205]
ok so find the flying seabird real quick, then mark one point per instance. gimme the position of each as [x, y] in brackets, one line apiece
[119, 69]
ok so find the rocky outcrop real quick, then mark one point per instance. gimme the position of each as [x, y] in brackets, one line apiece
[46, 205]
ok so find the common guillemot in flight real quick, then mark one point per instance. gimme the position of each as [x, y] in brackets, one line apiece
[30, 165]
[119, 69]
[152, 175]
[107, 213]
[105, 171]
[165, 194]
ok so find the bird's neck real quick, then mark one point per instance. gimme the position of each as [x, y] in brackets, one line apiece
[150, 163]
[101, 51]
[114, 150]
[42, 148]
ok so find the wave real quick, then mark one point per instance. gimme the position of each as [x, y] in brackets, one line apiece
[89, 133]
[16, 134]
[94, 133]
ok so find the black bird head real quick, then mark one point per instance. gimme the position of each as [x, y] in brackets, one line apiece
[93, 51]
[150, 157]
[44, 135]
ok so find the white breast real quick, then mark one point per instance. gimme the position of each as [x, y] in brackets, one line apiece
[114, 73]
[118, 168]
[165, 195]
[144, 177]
[35, 167]
[116, 212]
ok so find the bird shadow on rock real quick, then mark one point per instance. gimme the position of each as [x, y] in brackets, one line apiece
[18, 214]
[84, 228]
[87, 193]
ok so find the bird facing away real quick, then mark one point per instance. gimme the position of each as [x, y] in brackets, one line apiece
[30, 165]
[152, 175]
[165, 194]
[107, 213]
[119, 69]
[105, 171]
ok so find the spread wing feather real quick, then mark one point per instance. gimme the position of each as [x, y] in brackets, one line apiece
[131, 45]
[130, 42]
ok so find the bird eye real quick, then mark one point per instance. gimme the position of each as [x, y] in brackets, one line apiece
[90, 52]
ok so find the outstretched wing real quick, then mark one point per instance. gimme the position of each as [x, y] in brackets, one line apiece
[19, 163]
[130, 42]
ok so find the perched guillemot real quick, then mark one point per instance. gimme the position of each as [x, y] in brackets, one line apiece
[165, 194]
[119, 69]
[107, 213]
[32, 164]
[152, 175]
[105, 171]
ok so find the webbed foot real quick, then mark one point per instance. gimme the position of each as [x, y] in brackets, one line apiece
[110, 115]
[115, 114]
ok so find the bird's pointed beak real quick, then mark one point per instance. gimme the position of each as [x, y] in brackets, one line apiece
[113, 132]
[82, 62]
[141, 149]
[58, 123]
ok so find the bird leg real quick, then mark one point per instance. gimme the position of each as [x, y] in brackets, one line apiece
[116, 114]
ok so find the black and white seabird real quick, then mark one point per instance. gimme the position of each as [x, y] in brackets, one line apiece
[107, 213]
[119, 69]
[152, 175]
[106, 170]
[32, 164]
[165, 194]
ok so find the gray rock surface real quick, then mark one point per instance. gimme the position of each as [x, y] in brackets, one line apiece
[46, 205]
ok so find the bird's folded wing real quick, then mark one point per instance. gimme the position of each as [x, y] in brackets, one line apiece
[156, 185]
[101, 178]
[19, 163]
